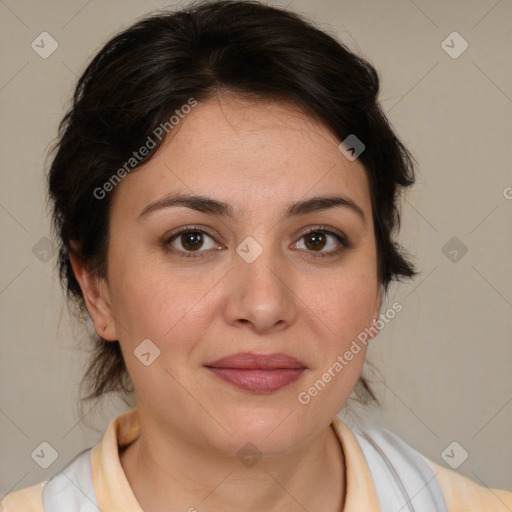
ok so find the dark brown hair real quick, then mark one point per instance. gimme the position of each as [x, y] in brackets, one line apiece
[148, 71]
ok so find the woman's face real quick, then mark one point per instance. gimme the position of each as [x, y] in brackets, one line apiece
[246, 280]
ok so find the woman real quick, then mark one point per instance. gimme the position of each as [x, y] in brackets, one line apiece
[225, 190]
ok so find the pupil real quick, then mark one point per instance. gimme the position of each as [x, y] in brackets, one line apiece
[193, 240]
[319, 237]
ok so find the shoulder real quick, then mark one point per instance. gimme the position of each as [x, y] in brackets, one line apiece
[397, 468]
[462, 494]
[28, 499]
[68, 488]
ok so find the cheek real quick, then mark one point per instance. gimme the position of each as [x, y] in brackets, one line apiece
[339, 313]
[172, 313]
[157, 303]
[344, 305]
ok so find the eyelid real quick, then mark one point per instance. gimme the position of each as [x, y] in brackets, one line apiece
[169, 237]
[339, 235]
[341, 238]
[330, 231]
[192, 227]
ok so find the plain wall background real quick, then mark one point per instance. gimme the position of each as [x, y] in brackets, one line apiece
[446, 358]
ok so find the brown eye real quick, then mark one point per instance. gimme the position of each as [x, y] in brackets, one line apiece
[323, 242]
[315, 241]
[191, 240]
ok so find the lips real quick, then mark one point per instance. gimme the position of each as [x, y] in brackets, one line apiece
[250, 361]
[258, 373]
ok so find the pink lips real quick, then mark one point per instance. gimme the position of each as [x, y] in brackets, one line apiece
[257, 372]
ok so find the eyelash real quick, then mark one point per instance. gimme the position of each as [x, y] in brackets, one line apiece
[342, 239]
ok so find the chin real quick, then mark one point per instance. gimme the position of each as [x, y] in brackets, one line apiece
[267, 429]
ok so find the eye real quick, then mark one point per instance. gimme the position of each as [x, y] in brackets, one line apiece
[318, 239]
[191, 240]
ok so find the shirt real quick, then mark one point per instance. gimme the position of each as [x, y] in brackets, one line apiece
[114, 494]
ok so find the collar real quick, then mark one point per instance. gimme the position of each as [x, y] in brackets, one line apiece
[113, 492]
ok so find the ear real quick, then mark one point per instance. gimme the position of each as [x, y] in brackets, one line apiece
[97, 299]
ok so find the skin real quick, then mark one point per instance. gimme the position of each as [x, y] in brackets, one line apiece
[259, 157]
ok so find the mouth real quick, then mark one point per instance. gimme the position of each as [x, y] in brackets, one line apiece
[258, 373]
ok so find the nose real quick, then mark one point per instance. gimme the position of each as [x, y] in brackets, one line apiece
[261, 293]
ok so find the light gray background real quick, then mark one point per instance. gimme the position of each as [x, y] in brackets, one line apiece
[445, 358]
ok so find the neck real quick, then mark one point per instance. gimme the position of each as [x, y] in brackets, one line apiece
[176, 474]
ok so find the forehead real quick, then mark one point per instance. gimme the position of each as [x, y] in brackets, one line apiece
[249, 153]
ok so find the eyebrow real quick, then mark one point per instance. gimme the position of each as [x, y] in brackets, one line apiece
[211, 206]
